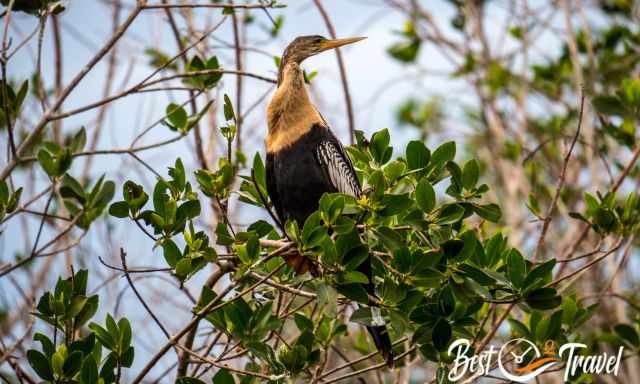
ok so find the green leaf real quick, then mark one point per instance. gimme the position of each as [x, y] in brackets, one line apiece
[20, 96]
[89, 372]
[543, 299]
[444, 153]
[103, 336]
[135, 196]
[425, 196]
[327, 299]
[343, 225]
[379, 146]
[395, 204]
[609, 105]
[417, 155]
[533, 204]
[104, 196]
[239, 314]
[127, 357]
[89, 309]
[77, 304]
[450, 214]
[489, 212]
[393, 170]
[57, 360]
[72, 364]
[119, 209]
[628, 334]
[294, 358]
[405, 52]
[441, 334]
[223, 236]
[188, 210]
[78, 141]
[125, 333]
[391, 292]
[355, 292]
[4, 191]
[519, 329]
[183, 267]
[40, 364]
[229, 114]
[71, 188]
[259, 171]
[177, 116]
[47, 163]
[541, 272]
[112, 327]
[516, 268]
[223, 377]
[354, 257]
[352, 277]
[390, 238]
[302, 322]
[569, 311]
[47, 344]
[171, 251]
[470, 174]
[549, 327]
[189, 380]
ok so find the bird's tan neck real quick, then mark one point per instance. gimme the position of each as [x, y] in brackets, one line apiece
[290, 113]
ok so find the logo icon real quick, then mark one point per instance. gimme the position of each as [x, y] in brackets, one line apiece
[540, 362]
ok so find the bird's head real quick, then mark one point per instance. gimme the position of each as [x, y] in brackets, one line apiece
[306, 46]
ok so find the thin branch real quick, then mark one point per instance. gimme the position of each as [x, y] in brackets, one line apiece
[123, 258]
[7, 353]
[115, 151]
[209, 360]
[343, 72]
[576, 273]
[559, 185]
[141, 86]
[138, 270]
[368, 369]
[223, 6]
[238, 58]
[361, 359]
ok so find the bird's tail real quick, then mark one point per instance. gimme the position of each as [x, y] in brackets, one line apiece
[378, 330]
[380, 337]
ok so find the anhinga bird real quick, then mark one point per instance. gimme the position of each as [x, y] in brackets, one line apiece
[305, 159]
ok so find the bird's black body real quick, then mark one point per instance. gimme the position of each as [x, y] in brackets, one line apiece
[295, 178]
[306, 160]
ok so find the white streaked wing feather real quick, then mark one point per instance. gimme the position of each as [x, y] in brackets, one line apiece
[340, 171]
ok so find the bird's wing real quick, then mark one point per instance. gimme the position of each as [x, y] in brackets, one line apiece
[337, 167]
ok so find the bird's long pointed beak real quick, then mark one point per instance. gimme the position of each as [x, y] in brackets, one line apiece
[331, 44]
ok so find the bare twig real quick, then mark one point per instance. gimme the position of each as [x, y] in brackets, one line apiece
[204, 5]
[559, 185]
[123, 258]
[343, 72]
